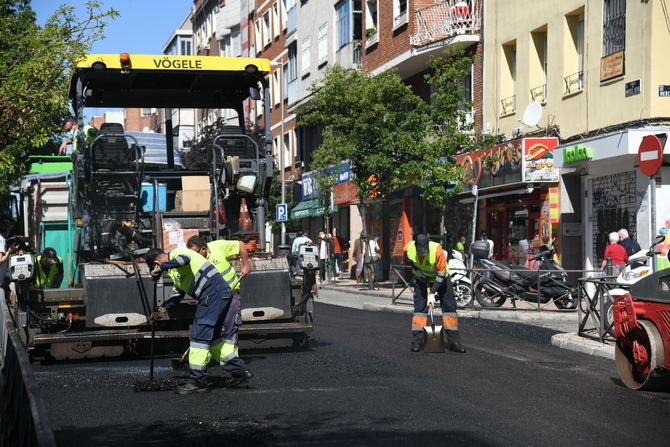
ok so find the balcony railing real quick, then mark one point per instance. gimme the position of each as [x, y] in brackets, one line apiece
[508, 105]
[371, 40]
[574, 83]
[291, 20]
[349, 56]
[539, 93]
[447, 19]
[400, 19]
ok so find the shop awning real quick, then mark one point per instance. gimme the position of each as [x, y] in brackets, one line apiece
[310, 208]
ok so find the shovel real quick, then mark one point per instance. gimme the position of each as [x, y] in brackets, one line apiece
[432, 335]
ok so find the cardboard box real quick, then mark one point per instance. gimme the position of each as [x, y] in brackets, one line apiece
[195, 183]
[192, 200]
[177, 238]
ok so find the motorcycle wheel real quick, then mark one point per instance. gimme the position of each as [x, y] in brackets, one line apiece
[566, 301]
[487, 299]
[463, 294]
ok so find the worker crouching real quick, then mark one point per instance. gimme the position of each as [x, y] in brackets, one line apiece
[191, 273]
[429, 266]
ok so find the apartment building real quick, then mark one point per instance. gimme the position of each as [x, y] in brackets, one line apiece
[597, 77]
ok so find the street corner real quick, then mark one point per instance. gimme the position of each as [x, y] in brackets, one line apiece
[573, 342]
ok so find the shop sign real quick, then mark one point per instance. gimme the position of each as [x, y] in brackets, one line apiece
[344, 193]
[495, 166]
[308, 180]
[632, 88]
[664, 91]
[577, 153]
[611, 66]
[539, 160]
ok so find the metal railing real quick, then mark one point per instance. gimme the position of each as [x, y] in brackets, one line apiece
[446, 19]
[22, 413]
[349, 55]
[539, 93]
[574, 83]
[595, 306]
[508, 105]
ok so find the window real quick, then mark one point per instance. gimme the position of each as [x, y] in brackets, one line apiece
[230, 44]
[508, 78]
[573, 54]
[185, 47]
[287, 149]
[466, 91]
[276, 85]
[144, 112]
[343, 10]
[323, 43]
[275, 150]
[266, 28]
[259, 36]
[292, 63]
[284, 9]
[538, 65]
[371, 14]
[614, 27]
[275, 20]
[399, 12]
[306, 55]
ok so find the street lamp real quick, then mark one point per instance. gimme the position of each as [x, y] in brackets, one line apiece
[281, 148]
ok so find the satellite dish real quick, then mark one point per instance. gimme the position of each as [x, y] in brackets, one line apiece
[532, 114]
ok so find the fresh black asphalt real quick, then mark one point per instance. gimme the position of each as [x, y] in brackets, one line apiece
[359, 384]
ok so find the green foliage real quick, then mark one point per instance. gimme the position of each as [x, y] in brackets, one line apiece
[35, 66]
[391, 137]
[375, 122]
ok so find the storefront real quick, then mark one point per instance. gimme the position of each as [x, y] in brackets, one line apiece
[517, 196]
[603, 191]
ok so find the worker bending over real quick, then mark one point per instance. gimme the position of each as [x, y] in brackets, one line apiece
[193, 274]
[219, 253]
[48, 270]
[429, 265]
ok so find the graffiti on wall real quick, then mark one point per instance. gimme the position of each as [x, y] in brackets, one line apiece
[614, 205]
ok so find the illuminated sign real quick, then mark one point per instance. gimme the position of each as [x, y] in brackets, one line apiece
[577, 153]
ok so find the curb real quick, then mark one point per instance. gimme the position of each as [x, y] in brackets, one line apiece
[574, 342]
[505, 315]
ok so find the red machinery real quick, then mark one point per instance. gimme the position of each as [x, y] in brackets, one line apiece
[642, 329]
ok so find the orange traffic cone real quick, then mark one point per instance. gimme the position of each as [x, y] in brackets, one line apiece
[246, 226]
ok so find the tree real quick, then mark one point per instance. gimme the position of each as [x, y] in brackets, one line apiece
[375, 122]
[35, 66]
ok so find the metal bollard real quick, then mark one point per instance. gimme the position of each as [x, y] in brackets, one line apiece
[609, 268]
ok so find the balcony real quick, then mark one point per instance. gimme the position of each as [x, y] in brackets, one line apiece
[349, 55]
[539, 93]
[448, 19]
[574, 83]
[508, 105]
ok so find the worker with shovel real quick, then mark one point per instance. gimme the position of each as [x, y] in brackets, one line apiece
[193, 274]
[429, 266]
[220, 253]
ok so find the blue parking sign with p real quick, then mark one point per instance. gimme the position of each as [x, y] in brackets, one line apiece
[282, 212]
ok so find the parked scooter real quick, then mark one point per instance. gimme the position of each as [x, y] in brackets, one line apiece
[504, 280]
[460, 280]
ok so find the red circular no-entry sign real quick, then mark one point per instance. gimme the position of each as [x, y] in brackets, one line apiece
[650, 155]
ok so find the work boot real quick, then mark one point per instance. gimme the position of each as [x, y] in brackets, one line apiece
[416, 346]
[456, 347]
[239, 378]
[192, 386]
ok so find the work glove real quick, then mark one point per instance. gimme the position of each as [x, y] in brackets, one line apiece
[156, 272]
[158, 314]
[431, 299]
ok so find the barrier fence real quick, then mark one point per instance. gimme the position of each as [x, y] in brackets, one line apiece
[22, 413]
[595, 306]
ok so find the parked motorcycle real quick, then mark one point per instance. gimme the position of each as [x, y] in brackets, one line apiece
[460, 280]
[502, 280]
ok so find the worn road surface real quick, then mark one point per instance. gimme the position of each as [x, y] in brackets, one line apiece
[359, 384]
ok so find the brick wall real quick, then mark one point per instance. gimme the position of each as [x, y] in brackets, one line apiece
[391, 43]
[134, 122]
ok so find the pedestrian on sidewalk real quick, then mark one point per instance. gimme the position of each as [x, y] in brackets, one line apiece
[617, 254]
[298, 242]
[337, 254]
[430, 268]
[324, 256]
[628, 242]
[358, 254]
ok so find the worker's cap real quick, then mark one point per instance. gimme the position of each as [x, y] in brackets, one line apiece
[421, 242]
[49, 256]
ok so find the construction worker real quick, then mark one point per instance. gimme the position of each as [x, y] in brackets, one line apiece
[219, 253]
[429, 265]
[87, 134]
[48, 270]
[193, 274]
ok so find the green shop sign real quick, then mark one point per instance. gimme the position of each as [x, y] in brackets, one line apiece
[577, 153]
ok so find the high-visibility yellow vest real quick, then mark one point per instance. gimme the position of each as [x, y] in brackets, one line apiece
[429, 265]
[88, 134]
[184, 276]
[41, 278]
[218, 253]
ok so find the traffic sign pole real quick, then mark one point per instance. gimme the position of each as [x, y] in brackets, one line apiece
[652, 197]
[650, 160]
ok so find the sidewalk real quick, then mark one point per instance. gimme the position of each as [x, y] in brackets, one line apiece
[347, 293]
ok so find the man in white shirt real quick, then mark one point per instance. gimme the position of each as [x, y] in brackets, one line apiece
[323, 255]
[295, 250]
[485, 237]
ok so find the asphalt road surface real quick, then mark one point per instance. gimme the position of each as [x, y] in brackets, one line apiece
[359, 384]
